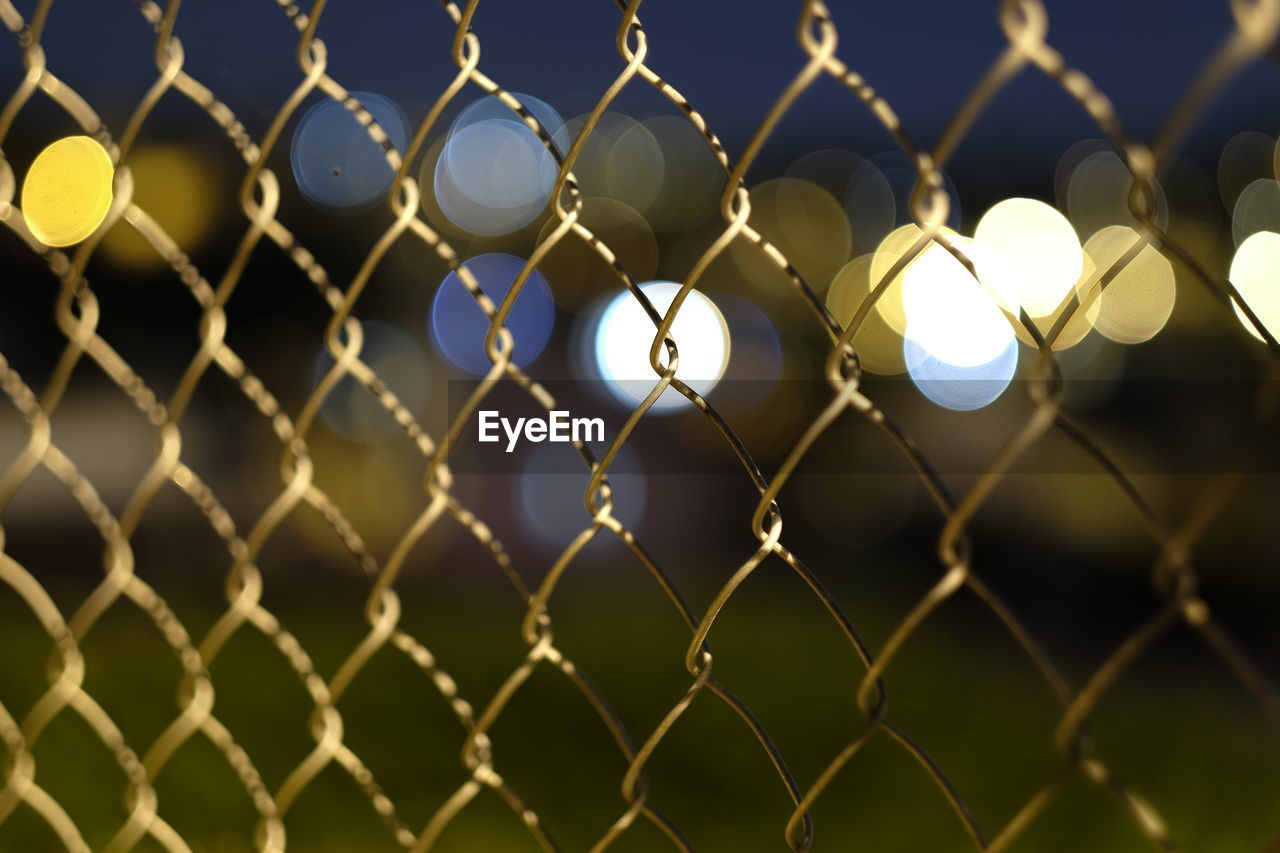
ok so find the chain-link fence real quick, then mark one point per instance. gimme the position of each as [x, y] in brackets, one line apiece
[85, 347]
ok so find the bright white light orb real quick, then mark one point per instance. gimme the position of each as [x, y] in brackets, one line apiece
[625, 334]
[1253, 272]
[950, 315]
[960, 388]
[1038, 252]
[891, 250]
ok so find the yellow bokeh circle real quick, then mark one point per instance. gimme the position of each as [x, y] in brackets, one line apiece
[67, 191]
[178, 191]
[806, 224]
[1137, 302]
[1079, 322]
[878, 344]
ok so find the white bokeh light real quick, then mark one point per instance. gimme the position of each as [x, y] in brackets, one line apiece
[960, 388]
[1253, 273]
[625, 334]
[959, 347]
[949, 314]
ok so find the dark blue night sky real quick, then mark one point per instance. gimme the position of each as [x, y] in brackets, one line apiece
[730, 58]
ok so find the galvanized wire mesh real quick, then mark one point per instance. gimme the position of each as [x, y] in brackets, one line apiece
[1024, 23]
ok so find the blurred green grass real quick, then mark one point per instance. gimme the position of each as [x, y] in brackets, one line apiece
[1177, 727]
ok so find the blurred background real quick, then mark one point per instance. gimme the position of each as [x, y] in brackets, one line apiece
[1169, 381]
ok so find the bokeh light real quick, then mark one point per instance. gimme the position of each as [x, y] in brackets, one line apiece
[178, 190]
[959, 346]
[1075, 154]
[494, 175]
[950, 315]
[337, 164]
[1245, 158]
[351, 409]
[755, 359]
[878, 344]
[67, 191]
[1079, 323]
[1030, 256]
[693, 179]
[806, 223]
[459, 326]
[491, 107]
[1257, 209]
[856, 183]
[1137, 302]
[958, 387]
[1253, 273]
[901, 176]
[890, 251]
[1097, 194]
[624, 334]
[621, 159]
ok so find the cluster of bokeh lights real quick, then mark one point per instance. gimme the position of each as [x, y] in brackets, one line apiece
[494, 175]
[956, 328]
